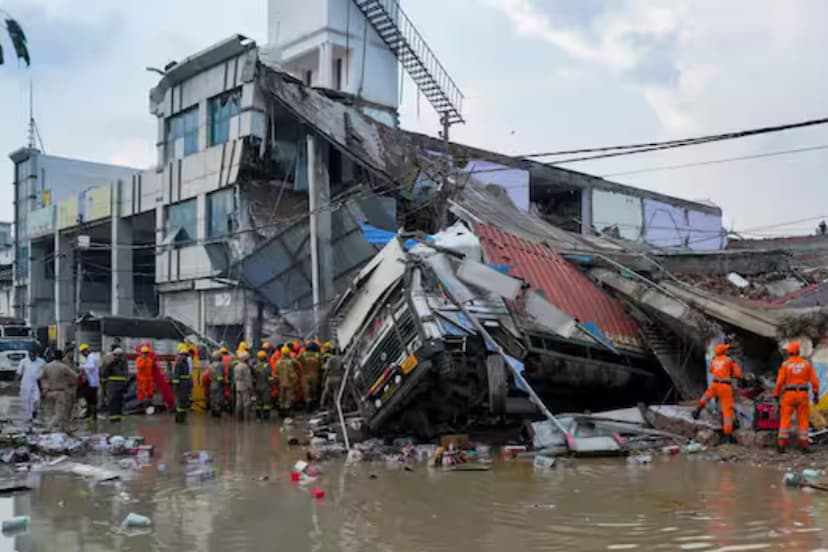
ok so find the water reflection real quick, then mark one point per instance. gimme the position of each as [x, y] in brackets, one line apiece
[674, 504]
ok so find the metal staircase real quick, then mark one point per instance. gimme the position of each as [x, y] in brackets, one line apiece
[398, 32]
[674, 361]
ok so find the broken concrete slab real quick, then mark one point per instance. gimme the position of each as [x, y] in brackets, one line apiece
[678, 419]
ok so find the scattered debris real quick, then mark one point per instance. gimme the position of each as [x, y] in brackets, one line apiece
[136, 521]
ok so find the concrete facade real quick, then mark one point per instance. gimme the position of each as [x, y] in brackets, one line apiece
[330, 44]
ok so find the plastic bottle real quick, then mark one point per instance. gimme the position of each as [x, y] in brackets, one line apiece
[17, 523]
[136, 521]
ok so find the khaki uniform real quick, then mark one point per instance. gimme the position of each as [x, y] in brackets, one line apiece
[286, 372]
[59, 383]
[332, 377]
[311, 364]
[243, 383]
[261, 388]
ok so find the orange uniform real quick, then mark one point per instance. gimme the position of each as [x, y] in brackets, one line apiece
[795, 374]
[724, 370]
[143, 365]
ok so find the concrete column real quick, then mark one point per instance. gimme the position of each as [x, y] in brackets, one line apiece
[64, 285]
[37, 283]
[123, 284]
[319, 198]
[326, 65]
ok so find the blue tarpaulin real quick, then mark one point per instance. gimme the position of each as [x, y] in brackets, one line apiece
[380, 238]
[595, 332]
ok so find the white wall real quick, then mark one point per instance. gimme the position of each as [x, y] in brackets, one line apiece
[298, 30]
[624, 211]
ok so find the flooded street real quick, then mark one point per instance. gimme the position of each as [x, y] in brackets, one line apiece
[674, 504]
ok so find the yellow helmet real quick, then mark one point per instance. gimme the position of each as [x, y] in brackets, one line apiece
[83, 347]
[224, 350]
[267, 345]
[285, 350]
[261, 355]
[328, 345]
[182, 348]
[243, 346]
[145, 349]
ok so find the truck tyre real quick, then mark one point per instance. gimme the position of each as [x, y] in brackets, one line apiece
[498, 384]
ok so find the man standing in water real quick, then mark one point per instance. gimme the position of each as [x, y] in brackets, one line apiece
[243, 383]
[114, 374]
[724, 370]
[90, 365]
[795, 375]
[182, 384]
[28, 372]
[59, 387]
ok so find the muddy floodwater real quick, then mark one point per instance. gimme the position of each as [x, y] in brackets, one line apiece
[674, 504]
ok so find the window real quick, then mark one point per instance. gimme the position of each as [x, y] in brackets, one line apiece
[339, 74]
[181, 226]
[182, 134]
[222, 109]
[221, 213]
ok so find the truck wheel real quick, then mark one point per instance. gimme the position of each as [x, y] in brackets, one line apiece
[498, 384]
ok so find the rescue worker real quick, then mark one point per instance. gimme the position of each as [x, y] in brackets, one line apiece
[114, 374]
[724, 370]
[216, 384]
[311, 363]
[143, 375]
[274, 377]
[59, 384]
[227, 368]
[286, 372]
[182, 383]
[90, 365]
[243, 385]
[28, 373]
[795, 374]
[332, 370]
[261, 386]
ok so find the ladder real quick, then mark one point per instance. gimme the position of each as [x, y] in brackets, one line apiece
[398, 32]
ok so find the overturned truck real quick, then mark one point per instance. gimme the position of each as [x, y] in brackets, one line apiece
[437, 336]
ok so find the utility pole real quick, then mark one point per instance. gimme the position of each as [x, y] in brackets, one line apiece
[319, 207]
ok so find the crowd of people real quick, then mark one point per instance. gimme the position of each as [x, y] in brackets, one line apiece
[285, 377]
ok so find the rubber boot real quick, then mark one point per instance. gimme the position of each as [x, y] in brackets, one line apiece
[696, 413]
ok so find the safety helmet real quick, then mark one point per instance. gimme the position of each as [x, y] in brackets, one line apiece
[83, 347]
[313, 347]
[722, 348]
[118, 351]
[296, 346]
[216, 354]
[267, 345]
[285, 350]
[145, 349]
[243, 346]
[793, 348]
[224, 350]
[182, 348]
[328, 345]
[261, 355]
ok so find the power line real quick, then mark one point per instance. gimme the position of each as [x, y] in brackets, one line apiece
[653, 146]
[718, 161]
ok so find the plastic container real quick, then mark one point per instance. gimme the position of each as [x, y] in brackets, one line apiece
[692, 448]
[136, 521]
[197, 457]
[318, 494]
[15, 524]
[793, 479]
[543, 462]
[810, 475]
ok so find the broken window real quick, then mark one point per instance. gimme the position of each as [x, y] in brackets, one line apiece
[182, 134]
[222, 110]
[181, 224]
[221, 213]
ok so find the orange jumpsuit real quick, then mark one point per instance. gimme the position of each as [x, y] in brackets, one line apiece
[792, 386]
[143, 365]
[724, 369]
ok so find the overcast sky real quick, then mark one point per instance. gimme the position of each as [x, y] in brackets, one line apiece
[539, 75]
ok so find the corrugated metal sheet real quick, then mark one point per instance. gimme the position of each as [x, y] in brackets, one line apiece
[561, 283]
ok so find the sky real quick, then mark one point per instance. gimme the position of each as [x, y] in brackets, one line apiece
[538, 76]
